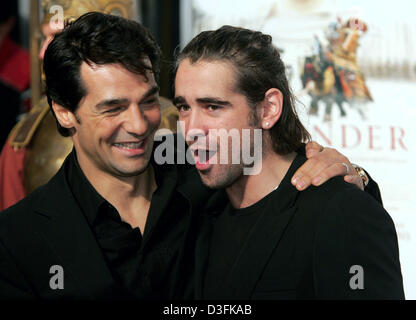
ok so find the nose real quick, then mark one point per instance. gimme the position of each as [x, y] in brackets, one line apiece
[135, 122]
[194, 125]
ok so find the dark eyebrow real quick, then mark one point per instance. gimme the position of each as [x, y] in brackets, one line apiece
[117, 101]
[213, 101]
[178, 100]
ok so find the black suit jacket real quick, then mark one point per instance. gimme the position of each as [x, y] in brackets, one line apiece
[304, 245]
[48, 228]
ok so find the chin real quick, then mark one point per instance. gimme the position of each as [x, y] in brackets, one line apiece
[131, 171]
[210, 184]
[218, 181]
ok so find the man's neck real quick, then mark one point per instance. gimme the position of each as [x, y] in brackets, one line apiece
[131, 196]
[250, 189]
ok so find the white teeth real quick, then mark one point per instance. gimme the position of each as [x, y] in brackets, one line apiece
[129, 145]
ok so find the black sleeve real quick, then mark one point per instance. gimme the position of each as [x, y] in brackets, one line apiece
[356, 254]
[373, 189]
[13, 286]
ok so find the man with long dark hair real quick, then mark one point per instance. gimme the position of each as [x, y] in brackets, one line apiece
[262, 238]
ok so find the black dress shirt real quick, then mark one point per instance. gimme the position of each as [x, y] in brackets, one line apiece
[140, 264]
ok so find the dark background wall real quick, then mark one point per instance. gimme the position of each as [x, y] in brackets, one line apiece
[161, 17]
[9, 9]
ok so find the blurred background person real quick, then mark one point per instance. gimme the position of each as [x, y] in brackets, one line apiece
[14, 69]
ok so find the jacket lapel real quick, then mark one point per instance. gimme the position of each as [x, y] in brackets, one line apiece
[166, 176]
[198, 230]
[215, 205]
[253, 257]
[66, 230]
[263, 239]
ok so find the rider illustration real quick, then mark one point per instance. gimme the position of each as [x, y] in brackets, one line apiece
[332, 75]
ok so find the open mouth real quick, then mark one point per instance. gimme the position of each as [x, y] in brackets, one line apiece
[203, 158]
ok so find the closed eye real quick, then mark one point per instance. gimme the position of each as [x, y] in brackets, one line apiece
[114, 110]
[150, 104]
[151, 101]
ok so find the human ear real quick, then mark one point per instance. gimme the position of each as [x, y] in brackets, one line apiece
[272, 106]
[66, 118]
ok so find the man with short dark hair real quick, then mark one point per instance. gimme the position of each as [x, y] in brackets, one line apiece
[112, 223]
[262, 238]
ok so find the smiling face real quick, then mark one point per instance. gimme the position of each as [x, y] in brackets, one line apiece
[206, 98]
[115, 122]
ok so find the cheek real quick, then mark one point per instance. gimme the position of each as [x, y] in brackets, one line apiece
[101, 129]
[154, 117]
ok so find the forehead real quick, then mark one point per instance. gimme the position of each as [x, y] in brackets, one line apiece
[113, 80]
[113, 73]
[205, 78]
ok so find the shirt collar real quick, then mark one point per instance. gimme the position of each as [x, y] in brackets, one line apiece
[89, 200]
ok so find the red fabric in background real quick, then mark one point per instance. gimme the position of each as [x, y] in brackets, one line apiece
[11, 176]
[14, 65]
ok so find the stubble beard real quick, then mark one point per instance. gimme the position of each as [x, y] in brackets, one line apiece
[224, 178]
